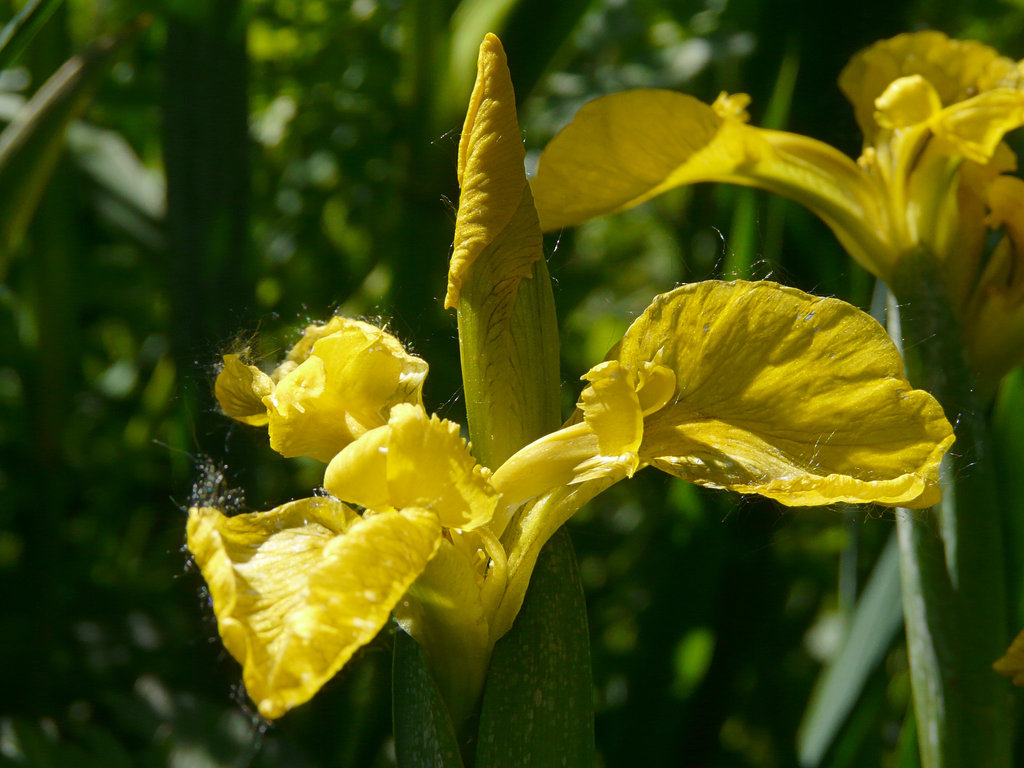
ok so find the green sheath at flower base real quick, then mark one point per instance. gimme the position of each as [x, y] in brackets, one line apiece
[498, 280]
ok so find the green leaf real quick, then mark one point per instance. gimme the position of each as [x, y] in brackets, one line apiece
[19, 31]
[31, 144]
[876, 620]
[424, 736]
[538, 699]
[1007, 428]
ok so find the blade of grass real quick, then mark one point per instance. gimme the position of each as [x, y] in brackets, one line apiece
[875, 623]
[31, 144]
[19, 31]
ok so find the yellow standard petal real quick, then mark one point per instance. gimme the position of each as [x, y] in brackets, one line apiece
[783, 394]
[956, 70]
[297, 590]
[339, 381]
[1012, 664]
[415, 461]
[240, 390]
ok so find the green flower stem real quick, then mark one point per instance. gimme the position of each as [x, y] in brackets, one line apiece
[951, 556]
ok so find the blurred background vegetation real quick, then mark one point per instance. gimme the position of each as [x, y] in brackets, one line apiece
[243, 169]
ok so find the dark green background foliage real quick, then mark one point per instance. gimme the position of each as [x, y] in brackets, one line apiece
[251, 168]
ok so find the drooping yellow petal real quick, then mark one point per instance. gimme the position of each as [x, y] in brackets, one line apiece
[619, 151]
[956, 70]
[415, 461]
[240, 390]
[339, 386]
[1012, 664]
[299, 589]
[498, 279]
[623, 149]
[783, 394]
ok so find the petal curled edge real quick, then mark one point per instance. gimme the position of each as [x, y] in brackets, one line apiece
[339, 381]
[416, 461]
[299, 589]
[1012, 663]
[623, 149]
[491, 170]
[783, 394]
[240, 389]
[956, 69]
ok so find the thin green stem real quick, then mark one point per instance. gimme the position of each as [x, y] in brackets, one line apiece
[952, 560]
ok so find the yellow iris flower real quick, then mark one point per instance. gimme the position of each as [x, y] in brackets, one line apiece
[745, 386]
[931, 176]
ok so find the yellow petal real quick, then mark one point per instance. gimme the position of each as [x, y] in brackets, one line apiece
[624, 149]
[600, 441]
[338, 385]
[619, 150]
[907, 101]
[311, 334]
[783, 394]
[240, 390]
[416, 461]
[612, 410]
[976, 126]
[308, 415]
[1012, 664]
[491, 172]
[994, 327]
[444, 612]
[299, 589]
[956, 69]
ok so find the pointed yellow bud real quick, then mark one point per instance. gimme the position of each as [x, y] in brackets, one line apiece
[492, 176]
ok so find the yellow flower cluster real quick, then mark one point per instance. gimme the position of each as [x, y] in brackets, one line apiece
[746, 386]
[932, 177]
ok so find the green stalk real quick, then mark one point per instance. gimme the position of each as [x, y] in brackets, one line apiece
[951, 556]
